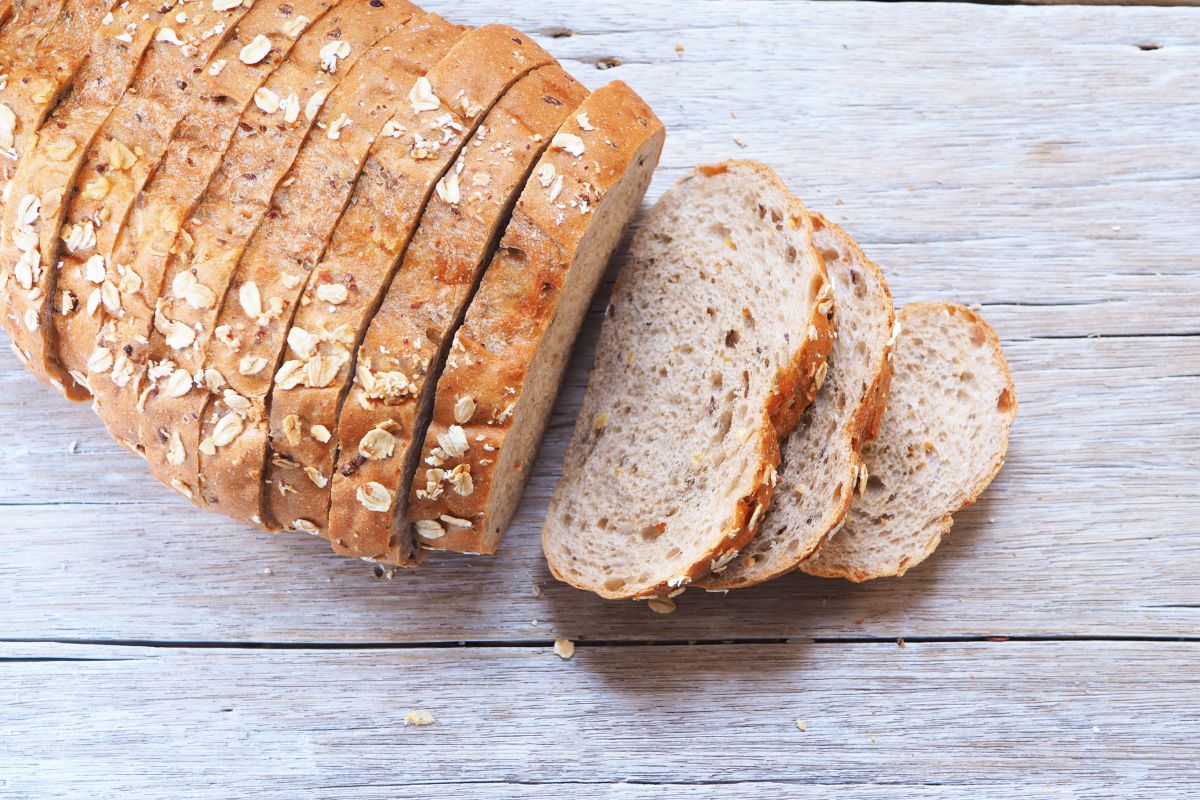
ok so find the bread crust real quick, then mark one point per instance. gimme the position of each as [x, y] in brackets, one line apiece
[426, 301]
[147, 241]
[930, 537]
[45, 178]
[284, 250]
[859, 429]
[127, 150]
[521, 294]
[364, 253]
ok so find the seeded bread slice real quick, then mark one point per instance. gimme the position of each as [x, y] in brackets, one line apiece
[820, 461]
[214, 237]
[24, 26]
[382, 425]
[284, 251]
[48, 47]
[127, 149]
[508, 357]
[365, 251]
[941, 442]
[715, 341]
[45, 177]
[147, 241]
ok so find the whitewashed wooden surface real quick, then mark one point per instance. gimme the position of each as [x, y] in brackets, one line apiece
[1043, 162]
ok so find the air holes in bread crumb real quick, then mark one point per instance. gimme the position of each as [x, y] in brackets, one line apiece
[1005, 403]
[732, 338]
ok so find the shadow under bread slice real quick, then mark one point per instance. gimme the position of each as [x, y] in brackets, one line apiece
[507, 359]
[383, 421]
[366, 249]
[284, 250]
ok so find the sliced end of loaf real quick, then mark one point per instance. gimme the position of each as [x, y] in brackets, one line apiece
[941, 442]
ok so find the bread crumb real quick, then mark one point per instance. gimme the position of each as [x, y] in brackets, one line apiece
[268, 571]
[73, 447]
[740, 142]
[801, 725]
[420, 719]
[661, 605]
[536, 590]
[678, 48]
[564, 649]
[900, 643]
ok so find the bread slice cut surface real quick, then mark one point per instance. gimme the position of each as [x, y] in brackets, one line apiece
[941, 442]
[820, 464]
[714, 341]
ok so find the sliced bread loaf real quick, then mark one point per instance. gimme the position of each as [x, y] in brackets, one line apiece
[941, 442]
[401, 175]
[147, 241]
[45, 178]
[285, 250]
[714, 343]
[214, 237]
[405, 346]
[127, 150]
[507, 360]
[48, 46]
[819, 464]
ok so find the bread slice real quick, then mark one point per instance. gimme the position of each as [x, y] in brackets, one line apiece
[284, 250]
[48, 44]
[820, 463]
[45, 177]
[366, 249]
[714, 343]
[425, 304]
[24, 26]
[148, 240]
[495, 395]
[215, 235]
[941, 442]
[127, 150]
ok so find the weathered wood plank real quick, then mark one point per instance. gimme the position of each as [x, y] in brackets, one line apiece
[1033, 160]
[984, 716]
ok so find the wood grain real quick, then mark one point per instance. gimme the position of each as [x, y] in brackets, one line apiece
[1039, 161]
[970, 718]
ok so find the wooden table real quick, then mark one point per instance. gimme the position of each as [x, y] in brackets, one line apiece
[1043, 162]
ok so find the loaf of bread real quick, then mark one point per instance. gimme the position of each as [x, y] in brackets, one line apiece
[322, 263]
[243, 197]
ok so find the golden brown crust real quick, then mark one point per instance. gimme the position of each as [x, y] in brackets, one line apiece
[147, 240]
[45, 177]
[517, 301]
[304, 212]
[941, 526]
[863, 427]
[123, 157]
[44, 49]
[218, 229]
[371, 238]
[425, 302]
